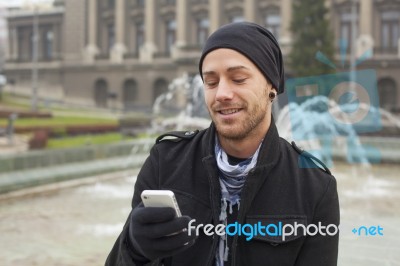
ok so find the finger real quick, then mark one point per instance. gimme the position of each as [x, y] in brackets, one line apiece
[146, 215]
[175, 242]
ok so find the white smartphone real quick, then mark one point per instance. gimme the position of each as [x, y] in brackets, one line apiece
[160, 198]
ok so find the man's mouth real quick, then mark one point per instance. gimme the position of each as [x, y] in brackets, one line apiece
[229, 111]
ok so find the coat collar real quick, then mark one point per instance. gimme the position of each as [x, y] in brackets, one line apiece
[269, 151]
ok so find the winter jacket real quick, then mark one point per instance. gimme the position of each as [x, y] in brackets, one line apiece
[286, 186]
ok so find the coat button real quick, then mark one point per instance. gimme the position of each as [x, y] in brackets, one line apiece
[189, 133]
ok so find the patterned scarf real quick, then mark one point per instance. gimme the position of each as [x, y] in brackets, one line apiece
[231, 179]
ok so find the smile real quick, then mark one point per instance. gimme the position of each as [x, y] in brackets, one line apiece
[229, 111]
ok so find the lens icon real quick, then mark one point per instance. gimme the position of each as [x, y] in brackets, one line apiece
[356, 106]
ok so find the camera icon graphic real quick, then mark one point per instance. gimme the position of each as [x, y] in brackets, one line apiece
[335, 108]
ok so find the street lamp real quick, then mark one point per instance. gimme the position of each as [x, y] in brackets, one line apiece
[353, 45]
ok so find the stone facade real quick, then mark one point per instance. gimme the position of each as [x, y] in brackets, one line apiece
[124, 53]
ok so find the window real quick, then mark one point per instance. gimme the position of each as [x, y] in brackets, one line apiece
[111, 4]
[139, 36]
[20, 41]
[110, 36]
[390, 31]
[140, 3]
[202, 30]
[160, 87]
[387, 93]
[346, 27]
[170, 2]
[129, 93]
[170, 34]
[273, 22]
[101, 93]
[48, 44]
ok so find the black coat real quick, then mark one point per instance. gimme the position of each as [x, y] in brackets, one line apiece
[277, 189]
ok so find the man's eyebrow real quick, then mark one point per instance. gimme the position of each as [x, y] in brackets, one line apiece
[209, 73]
[237, 68]
[230, 69]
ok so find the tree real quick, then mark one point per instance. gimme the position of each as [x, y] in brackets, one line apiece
[311, 33]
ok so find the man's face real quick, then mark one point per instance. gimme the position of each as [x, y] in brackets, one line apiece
[236, 94]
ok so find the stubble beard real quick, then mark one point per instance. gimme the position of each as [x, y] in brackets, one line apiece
[239, 129]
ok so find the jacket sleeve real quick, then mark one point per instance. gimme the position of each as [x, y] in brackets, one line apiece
[122, 253]
[319, 249]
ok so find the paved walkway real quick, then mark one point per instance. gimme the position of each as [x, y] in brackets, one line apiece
[369, 196]
[19, 144]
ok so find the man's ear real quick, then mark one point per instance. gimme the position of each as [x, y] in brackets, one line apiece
[272, 94]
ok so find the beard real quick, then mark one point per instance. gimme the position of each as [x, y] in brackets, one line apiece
[241, 128]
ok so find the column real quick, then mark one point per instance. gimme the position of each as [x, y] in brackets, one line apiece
[365, 43]
[182, 38]
[250, 8]
[365, 17]
[8, 45]
[182, 22]
[91, 49]
[13, 44]
[398, 46]
[117, 52]
[215, 14]
[286, 18]
[149, 47]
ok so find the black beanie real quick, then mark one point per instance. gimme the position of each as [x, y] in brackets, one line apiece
[253, 41]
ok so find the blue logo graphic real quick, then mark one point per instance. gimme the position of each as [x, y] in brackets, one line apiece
[326, 108]
[368, 231]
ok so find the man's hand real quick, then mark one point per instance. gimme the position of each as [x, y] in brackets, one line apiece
[158, 233]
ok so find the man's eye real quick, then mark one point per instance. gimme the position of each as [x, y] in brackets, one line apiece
[239, 81]
[211, 83]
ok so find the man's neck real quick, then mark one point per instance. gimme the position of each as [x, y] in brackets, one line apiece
[246, 147]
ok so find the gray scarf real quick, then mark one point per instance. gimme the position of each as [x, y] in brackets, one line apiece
[231, 179]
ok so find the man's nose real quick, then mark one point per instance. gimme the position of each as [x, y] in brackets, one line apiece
[224, 91]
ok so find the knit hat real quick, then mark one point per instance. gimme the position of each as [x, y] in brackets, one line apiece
[253, 41]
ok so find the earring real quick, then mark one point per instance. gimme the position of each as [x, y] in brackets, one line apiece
[272, 96]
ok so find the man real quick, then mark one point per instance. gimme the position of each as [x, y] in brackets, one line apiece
[237, 171]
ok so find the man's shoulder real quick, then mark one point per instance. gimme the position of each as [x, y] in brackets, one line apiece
[177, 136]
[179, 144]
[304, 158]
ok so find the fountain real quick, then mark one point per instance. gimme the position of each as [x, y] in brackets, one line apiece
[323, 127]
[182, 107]
[310, 124]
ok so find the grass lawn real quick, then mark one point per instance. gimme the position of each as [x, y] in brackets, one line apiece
[77, 141]
[68, 117]
[7, 101]
[64, 117]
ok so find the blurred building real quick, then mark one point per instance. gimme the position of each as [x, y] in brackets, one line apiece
[125, 52]
[3, 36]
